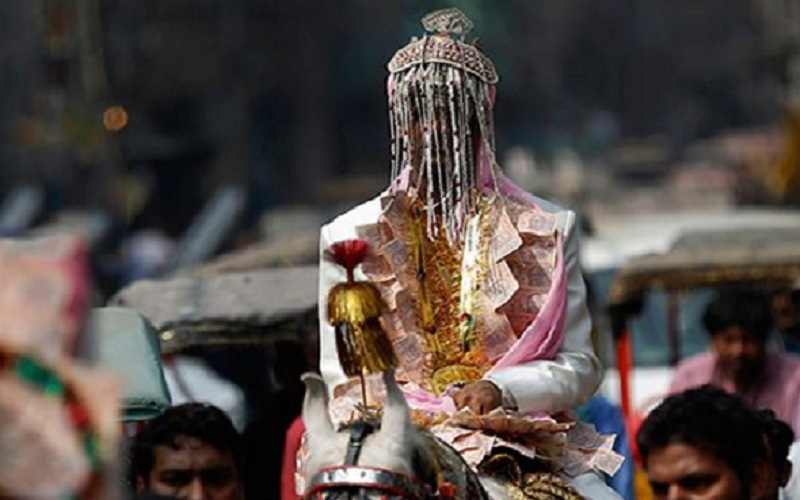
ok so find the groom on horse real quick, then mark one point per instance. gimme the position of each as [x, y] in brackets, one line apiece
[484, 301]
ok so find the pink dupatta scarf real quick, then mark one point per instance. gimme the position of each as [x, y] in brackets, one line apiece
[542, 339]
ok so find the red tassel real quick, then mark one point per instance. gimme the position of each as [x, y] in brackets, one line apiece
[348, 254]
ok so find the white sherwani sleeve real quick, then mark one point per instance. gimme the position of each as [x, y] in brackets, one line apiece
[576, 372]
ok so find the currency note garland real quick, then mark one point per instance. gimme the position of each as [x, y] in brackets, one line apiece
[452, 314]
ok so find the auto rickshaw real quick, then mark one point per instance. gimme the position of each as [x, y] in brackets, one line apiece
[240, 341]
[673, 288]
[697, 262]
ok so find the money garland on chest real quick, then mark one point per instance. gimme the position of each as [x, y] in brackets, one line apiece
[455, 309]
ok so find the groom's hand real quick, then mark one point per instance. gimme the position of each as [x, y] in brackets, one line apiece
[481, 397]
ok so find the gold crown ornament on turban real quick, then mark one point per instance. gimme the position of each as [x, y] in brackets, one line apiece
[444, 47]
[354, 310]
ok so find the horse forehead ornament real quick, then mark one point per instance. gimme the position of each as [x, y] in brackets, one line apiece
[389, 447]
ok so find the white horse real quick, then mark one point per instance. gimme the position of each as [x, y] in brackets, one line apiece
[396, 461]
[401, 461]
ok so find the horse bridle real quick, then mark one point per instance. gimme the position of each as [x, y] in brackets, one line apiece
[351, 477]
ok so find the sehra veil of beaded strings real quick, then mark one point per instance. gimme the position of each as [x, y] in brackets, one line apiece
[441, 93]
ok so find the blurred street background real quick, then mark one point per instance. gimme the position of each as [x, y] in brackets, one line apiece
[173, 130]
[199, 145]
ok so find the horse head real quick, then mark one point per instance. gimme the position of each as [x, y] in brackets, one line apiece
[364, 460]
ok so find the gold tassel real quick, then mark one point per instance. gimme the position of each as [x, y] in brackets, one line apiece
[354, 310]
[354, 302]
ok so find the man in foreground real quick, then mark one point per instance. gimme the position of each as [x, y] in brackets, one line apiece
[705, 444]
[191, 451]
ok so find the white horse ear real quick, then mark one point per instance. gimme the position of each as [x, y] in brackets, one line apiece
[315, 408]
[396, 415]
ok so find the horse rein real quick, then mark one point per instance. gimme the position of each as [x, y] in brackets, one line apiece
[351, 476]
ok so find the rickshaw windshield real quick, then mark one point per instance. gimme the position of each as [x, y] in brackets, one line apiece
[650, 328]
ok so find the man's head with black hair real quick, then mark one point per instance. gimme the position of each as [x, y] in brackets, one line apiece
[190, 451]
[739, 322]
[743, 307]
[704, 444]
[778, 438]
